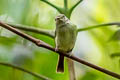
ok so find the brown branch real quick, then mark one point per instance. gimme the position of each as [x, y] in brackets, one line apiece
[24, 70]
[45, 45]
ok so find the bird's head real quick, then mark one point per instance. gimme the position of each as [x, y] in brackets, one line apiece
[60, 19]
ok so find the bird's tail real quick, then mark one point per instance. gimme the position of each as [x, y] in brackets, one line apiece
[60, 66]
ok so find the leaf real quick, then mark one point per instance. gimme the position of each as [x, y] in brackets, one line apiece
[89, 76]
[7, 41]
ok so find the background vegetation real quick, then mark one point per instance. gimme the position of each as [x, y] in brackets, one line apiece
[97, 46]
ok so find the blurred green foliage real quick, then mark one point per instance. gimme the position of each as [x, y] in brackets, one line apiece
[14, 49]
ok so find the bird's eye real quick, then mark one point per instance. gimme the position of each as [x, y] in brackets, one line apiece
[63, 16]
[57, 18]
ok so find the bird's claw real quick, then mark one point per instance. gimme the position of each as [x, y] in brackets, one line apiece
[70, 54]
[56, 49]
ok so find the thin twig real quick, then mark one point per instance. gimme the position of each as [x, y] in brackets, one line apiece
[114, 55]
[24, 70]
[49, 33]
[98, 26]
[70, 62]
[54, 6]
[74, 6]
[40, 43]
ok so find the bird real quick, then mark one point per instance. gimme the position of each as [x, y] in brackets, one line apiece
[65, 38]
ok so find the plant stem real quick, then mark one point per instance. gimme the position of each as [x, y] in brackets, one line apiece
[24, 70]
[49, 33]
[65, 4]
[40, 43]
[71, 69]
[70, 64]
[74, 6]
[114, 55]
[52, 5]
[98, 26]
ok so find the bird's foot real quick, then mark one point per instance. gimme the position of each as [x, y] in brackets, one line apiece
[56, 49]
[70, 54]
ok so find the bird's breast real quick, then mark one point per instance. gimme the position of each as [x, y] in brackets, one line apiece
[65, 39]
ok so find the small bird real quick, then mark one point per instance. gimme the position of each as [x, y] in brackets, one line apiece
[65, 38]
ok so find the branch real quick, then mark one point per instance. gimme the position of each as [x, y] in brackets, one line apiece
[40, 43]
[98, 26]
[115, 55]
[54, 6]
[74, 6]
[70, 62]
[49, 33]
[24, 70]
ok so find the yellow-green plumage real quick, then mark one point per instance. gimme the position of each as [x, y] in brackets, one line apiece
[65, 38]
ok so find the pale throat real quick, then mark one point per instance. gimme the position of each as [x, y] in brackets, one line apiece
[60, 24]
